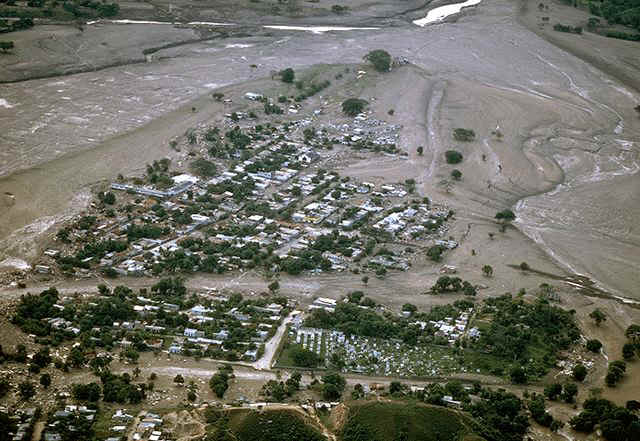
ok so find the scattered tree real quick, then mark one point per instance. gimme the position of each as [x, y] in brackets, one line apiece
[487, 270]
[420, 150]
[456, 174]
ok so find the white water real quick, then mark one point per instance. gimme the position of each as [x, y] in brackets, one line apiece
[317, 29]
[4, 103]
[439, 14]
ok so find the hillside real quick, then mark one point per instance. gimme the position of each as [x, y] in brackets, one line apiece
[387, 421]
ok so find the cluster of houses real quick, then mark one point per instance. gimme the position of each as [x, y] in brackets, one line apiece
[452, 328]
[271, 168]
[262, 320]
[61, 421]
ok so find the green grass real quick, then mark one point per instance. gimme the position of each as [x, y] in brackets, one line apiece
[272, 425]
[378, 421]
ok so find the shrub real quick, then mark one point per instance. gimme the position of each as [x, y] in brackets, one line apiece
[453, 157]
[456, 174]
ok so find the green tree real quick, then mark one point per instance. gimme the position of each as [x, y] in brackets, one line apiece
[27, 390]
[456, 174]
[287, 75]
[353, 106]
[179, 380]
[274, 286]
[45, 380]
[579, 372]
[569, 391]
[505, 216]
[518, 375]
[629, 351]
[553, 391]
[6, 46]
[380, 59]
[420, 150]
[594, 345]
[453, 156]
[487, 270]
[598, 316]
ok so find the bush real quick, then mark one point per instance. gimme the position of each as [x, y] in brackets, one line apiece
[453, 157]
[380, 59]
[456, 174]
[353, 106]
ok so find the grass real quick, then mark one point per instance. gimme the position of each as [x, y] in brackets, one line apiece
[390, 421]
[272, 425]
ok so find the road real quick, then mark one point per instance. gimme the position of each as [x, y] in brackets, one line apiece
[271, 347]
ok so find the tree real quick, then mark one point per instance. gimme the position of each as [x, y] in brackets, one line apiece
[27, 390]
[598, 316]
[524, 266]
[553, 391]
[5, 387]
[487, 270]
[109, 198]
[178, 380]
[353, 106]
[579, 372]
[191, 396]
[45, 380]
[518, 375]
[365, 279]
[204, 168]
[420, 150]
[287, 75]
[274, 286]
[435, 252]
[396, 387]
[76, 357]
[304, 358]
[569, 391]
[505, 216]
[409, 307]
[456, 174]
[380, 59]
[333, 386]
[6, 46]
[453, 156]
[628, 351]
[463, 134]
[594, 345]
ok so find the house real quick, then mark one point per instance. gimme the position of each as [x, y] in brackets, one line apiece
[194, 333]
